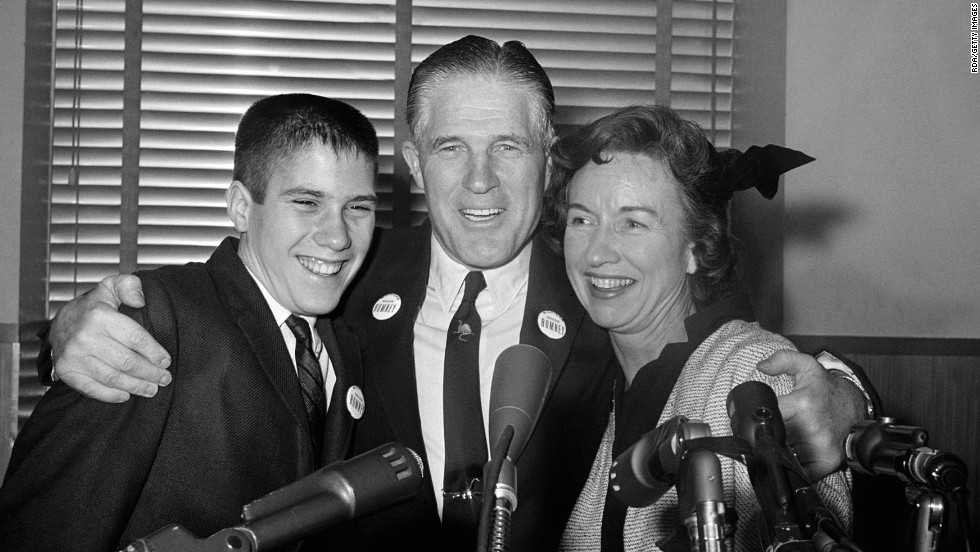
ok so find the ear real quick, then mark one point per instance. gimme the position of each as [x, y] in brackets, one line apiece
[692, 262]
[411, 154]
[239, 203]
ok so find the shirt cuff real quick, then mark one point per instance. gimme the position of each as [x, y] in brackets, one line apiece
[839, 368]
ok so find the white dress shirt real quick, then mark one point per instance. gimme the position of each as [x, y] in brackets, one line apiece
[501, 308]
[281, 313]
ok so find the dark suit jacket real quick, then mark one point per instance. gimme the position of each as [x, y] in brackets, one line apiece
[86, 475]
[556, 462]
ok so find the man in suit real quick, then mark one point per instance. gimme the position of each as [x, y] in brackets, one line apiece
[258, 398]
[481, 121]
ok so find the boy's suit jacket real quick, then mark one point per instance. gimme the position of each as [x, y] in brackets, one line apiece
[231, 427]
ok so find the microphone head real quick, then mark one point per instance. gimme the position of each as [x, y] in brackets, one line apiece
[753, 408]
[644, 472]
[521, 377]
[381, 477]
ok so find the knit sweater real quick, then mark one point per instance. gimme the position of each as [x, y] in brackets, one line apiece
[725, 359]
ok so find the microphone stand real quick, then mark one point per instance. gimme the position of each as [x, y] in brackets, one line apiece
[505, 503]
[701, 500]
[490, 514]
[929, 518]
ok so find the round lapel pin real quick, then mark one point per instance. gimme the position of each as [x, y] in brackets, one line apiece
[355, 402]
[551, 324]
[386, 307]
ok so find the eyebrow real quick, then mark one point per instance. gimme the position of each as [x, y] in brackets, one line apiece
[637, 208]
[626, 209]
[440, 140]
[369, 198]
[320, 194]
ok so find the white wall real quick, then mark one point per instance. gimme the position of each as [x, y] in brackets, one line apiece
[883, 231]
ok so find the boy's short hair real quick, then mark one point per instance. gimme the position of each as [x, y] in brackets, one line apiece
[275, 127]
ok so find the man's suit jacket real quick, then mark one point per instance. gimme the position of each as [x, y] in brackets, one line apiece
[559, 454]
[231, 427]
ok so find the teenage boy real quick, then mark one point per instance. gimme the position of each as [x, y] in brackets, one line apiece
[265, 388]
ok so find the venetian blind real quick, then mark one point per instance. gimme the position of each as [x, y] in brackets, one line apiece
[601, 56]
[194, 67]
[143, 121]
[201, 64]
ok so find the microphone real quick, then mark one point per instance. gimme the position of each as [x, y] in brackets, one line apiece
[755, 417]
[521, 377]
[643, 473]
[793, 511]
[882, 448]
[377, 479]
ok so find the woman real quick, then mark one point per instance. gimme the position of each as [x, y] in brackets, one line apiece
[641, 197]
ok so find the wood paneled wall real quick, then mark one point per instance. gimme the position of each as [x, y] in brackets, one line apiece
[930, 383]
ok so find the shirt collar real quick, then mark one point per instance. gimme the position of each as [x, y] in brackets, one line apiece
[704, 322]
[281, 313]
[504, 283]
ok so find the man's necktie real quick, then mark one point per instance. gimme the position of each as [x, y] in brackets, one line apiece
[466, 449]
[310, 381]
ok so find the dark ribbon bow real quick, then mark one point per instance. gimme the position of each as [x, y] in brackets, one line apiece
[758, 167]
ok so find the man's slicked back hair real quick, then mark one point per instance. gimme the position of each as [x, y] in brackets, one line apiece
[276, 127]
[475, 56]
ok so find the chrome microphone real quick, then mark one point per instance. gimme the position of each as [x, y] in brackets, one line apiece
[701, 500]
[881, 447]
[665, 456]
[641, 474]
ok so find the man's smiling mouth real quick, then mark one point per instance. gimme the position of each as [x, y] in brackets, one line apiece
[480, 215]
[320, 268]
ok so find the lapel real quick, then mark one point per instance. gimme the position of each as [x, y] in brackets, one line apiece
[251, 314]
[391, 352]
[344, 357]
[548, 290]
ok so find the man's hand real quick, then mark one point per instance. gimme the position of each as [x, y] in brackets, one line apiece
[102, 353]
[818, 413]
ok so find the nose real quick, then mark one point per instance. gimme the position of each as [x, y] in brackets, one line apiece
[332, 232]
[602, 247]
[480, 174]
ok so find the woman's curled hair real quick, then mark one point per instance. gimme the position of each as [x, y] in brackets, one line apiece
[682, 147]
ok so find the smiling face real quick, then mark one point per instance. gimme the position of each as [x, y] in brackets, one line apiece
[482, 165]
[307, 239]
[625, 249]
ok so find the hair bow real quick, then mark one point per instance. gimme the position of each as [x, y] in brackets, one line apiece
[760, 168]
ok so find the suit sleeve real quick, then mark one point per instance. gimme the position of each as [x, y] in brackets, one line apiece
[78, 467]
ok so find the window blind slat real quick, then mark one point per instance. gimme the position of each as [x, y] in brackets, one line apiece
[204, 63]
[600, 56]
